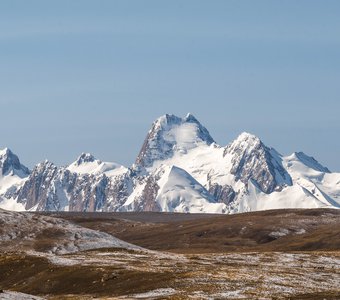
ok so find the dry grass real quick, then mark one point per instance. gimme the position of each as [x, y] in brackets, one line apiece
[287, 254]
[127, 274]
[307, 230]
[38, 276]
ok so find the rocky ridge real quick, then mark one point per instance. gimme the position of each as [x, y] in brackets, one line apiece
[179, 168]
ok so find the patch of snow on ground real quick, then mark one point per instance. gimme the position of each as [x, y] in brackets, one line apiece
[229, 295]
[300, 231]
[74, 238]
[279, 233]
[156, 293]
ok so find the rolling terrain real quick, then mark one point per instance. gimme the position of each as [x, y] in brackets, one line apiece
[275, 230]
[280, 254]
[190, 219]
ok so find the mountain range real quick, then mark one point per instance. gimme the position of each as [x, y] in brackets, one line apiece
[180, 168]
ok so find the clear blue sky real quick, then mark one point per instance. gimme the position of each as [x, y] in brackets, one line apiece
[91, 76]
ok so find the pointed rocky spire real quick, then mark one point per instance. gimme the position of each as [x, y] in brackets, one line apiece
[10, 164]
[84, 158]
[252, 160]
[170, 134]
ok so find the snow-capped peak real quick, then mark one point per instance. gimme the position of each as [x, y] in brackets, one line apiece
[12, 176]
[86, 163]
[5, 151]
[244, 144]
[167, 119]
[247, 140]
[251, 159]
[85, 158]
[170, 134]
[190, 118]
[10, 164]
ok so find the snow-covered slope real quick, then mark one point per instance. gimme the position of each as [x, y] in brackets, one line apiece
[315, 178]
[172, 189]
[180, 192]
[179, 168]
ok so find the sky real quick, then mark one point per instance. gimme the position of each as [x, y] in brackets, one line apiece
[92, 76]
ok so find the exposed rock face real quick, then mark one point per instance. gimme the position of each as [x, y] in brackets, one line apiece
[222, 193]
[170, 134]
[149, 196]
[36, 190]
[52, 188]
[86, 192]
[147, 200]
[84, 158]
[10, 164]
[117, 190]
[251, 159]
